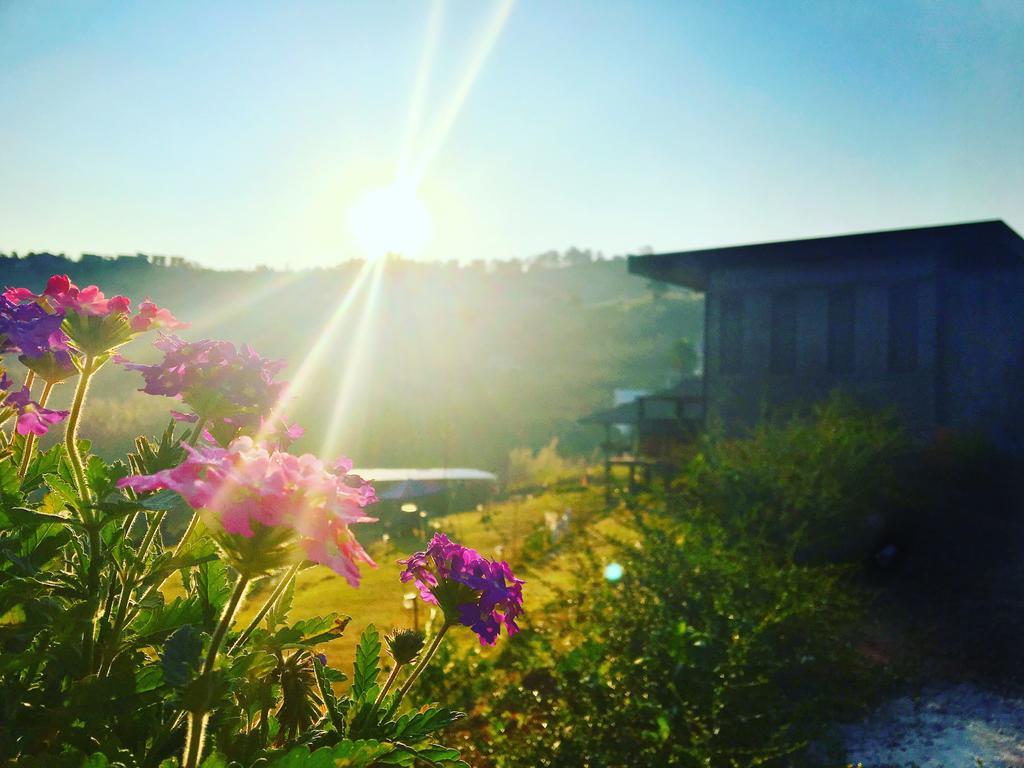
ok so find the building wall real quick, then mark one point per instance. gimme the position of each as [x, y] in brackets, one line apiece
[738, 399]
[983, 335]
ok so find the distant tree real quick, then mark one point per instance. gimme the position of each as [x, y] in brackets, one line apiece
[685, 356]
[546, 260]
[657, 289]
[575, 257]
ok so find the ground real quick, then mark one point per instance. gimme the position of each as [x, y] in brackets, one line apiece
[943, 726]
[501, 531]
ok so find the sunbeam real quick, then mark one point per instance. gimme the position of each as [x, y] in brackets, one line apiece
[244, 301]
[451, 112]
[353, 364]
[419, 91]
[320, 346]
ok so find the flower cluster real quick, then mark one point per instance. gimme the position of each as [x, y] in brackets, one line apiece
[245, 489]
[471, 590]
[231, 389]
[85, 317]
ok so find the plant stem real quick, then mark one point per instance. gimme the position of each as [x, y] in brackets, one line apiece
[71, 431]
[92, 590]
[418, 669]
[180, 547]
[198, 431]
[30, 441]
[197, 720]
[109, 648]
[387, 685]
[282, 585]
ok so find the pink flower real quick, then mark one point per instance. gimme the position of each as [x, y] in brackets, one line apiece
[152, 316]
[63, 296]
[246, 488]
[32, 417]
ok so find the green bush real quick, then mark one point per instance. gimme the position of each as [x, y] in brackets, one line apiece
[819, 485]
[730, 638]
[702, 654]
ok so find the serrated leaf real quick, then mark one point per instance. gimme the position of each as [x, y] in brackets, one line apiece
[10, 484]
[346, 754]
[213, 588]
[278, 614]
[180, 658]
[367, 664]
[438, 755]
[336, 715]
[415, 727]
[156, 621]
[62, 488]
[44, 463]
[307, 633]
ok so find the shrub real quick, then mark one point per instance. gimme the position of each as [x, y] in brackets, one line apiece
[818, 485]
[530, 469]
[703, 653]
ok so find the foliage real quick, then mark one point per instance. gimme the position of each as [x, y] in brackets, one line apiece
[474, 359]
[703, 654]
[100, 666]
[817, 485]
[724, 643]
[544, 467]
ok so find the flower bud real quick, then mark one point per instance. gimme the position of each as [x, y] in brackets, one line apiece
[404, 645]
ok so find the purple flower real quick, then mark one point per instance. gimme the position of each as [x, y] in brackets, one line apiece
[233, 389]
[471, 590]
[29, 329]
[32, 417]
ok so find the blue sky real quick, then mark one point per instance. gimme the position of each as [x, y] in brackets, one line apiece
[243, 133]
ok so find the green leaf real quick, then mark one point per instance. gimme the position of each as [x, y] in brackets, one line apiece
[162, 619]
[180, 659]
[44, 463]
[367, 664]
[62, 488]
[213, 588]
[216, 760]
[345, 754]
[10, 485]
[336, 714]
[307, 633]
[435, 754]
[149, 678]
[414, 727]
[278, 614]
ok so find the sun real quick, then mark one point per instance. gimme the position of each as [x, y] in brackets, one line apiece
[390, 220]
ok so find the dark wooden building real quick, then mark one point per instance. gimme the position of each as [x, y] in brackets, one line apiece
[929, 321]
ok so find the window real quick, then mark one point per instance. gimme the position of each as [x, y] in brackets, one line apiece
[842, 310]
[783, 343]
[731, 335]
[903, 314]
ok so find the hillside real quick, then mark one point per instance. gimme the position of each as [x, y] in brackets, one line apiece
[533, 346]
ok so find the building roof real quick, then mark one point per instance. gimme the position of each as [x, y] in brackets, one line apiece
[690, 388]
[391, 475]
[972, 244]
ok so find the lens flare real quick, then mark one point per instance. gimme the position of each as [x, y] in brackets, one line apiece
[613, 572]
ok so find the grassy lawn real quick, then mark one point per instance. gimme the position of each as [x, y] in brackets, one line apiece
[501, 530]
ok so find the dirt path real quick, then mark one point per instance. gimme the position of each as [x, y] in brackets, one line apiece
[944, 727]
